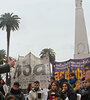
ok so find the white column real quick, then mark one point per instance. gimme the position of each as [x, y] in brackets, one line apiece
[81, 41]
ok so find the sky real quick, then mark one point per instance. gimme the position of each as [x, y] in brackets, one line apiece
[43, 24]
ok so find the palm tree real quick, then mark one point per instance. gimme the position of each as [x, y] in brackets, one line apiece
[9, 22]
[2, 56]
[50, 52]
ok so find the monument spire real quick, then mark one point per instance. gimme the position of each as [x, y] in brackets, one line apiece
[78, 3]
[81, 41]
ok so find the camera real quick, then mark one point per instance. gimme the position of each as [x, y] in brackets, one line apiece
[39, 95]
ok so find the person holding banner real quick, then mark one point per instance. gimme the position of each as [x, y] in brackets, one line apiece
[76, 84]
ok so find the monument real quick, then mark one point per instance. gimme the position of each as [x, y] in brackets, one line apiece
[81, 41]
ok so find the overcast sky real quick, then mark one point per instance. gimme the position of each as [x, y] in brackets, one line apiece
[43, 24]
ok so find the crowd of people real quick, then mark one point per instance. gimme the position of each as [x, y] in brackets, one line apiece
[72, 89]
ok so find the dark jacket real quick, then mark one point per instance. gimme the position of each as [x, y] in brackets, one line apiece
[1, 96]
[4, 68]
[62, 81]
[1, 89]
[17, 93]
[85, 95]
[70, 94]
[50, 86]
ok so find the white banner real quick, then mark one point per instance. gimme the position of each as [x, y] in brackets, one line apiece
[29, 69]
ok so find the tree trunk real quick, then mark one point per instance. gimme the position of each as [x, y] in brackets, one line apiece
[8, 39]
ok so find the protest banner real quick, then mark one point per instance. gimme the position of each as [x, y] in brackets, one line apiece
[66, 67]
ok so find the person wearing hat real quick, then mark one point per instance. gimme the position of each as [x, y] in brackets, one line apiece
[15, 91]
[76, 84]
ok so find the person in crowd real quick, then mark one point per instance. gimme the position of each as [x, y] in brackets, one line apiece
[29, 88]
[3, 87]
[54, 92]
[87, 71]
[2, 96]
[16, 91]
[83, 83]
[10, 97]
[46, 92]
[85, 95]
[76, 84]
[62, 80]
[6, 68]
[68, 92]
[50, 85]
[36, 93]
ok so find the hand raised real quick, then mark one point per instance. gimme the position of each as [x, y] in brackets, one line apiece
[11, 62]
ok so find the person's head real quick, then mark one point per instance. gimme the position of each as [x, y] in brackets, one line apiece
[2, 81]
[10, 97]
[66, 86]
[16, 86]
[29, 87]
[83, 82]
[83, 75]
[36, 85]
[87, 83]
[52, 79]
[72, 76]
[87, 67]
[62, 76]
[55, 85]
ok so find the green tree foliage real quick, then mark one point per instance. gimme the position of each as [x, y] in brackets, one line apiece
[2, 57]
[9, 22]
[50, 52]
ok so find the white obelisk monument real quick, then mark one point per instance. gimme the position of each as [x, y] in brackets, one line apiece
[81, 41]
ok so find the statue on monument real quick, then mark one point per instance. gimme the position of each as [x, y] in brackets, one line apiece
[78, 3]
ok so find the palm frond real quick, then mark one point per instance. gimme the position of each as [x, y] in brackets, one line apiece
[50, 52]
